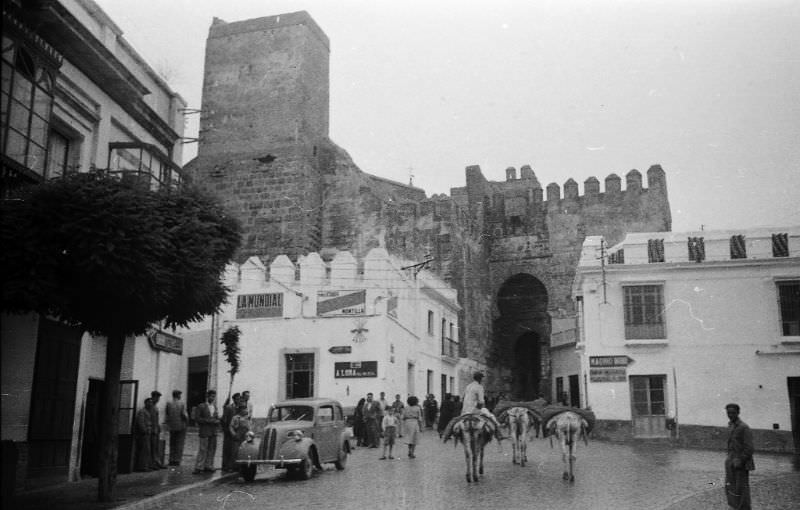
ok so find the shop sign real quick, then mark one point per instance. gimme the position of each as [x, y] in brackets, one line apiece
[351, 369]
[610, 374]
[250, 306]
[609, 361]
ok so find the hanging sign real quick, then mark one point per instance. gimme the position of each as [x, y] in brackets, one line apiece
[340, 349]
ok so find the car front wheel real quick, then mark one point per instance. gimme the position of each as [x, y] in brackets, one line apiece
[306, 468]
[248, 472]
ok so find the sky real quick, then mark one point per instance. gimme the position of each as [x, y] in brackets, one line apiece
[708, 89]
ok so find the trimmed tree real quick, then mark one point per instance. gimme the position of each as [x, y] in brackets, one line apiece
[230, 339]
[114, 258]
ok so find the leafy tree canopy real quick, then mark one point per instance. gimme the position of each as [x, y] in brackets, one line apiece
[112, 255]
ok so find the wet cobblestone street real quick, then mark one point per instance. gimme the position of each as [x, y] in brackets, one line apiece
[607, 476]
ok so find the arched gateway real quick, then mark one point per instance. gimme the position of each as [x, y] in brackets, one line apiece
[521, 338]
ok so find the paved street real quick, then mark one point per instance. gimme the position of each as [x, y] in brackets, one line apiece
[608, 476]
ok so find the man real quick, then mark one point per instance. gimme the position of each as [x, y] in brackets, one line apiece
[176, 419]
[208, 422]
[384, 404]
[430, 408]
[246, 400]
[475, 402]
[397, 408]
[372, 409]
[228, 453]
[739, 462]
[141, 436]
[155, 433]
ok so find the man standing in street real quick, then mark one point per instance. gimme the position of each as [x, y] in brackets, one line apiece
[141, 436]
[228, 453]
[176, 419]
[372, 409]
[155, 433]
[739, 462]
[208, 423]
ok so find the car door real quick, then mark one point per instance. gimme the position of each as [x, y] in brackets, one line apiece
[326, 433]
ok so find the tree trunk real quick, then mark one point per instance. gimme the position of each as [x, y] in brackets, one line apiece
[109, 418]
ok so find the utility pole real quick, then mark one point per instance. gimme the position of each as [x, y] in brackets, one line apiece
[603, 266]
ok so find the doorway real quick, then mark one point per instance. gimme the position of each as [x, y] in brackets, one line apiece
[527, 367]
[196, 384]
[794, 410]
[410, 379]
[648, 406]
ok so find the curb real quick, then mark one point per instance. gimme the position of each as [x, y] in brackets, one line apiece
[145, 503]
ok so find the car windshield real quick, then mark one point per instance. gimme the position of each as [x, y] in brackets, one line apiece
[286, 413]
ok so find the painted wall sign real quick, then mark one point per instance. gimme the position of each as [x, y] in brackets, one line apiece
[341, 302]
[340, 349]
[250, 306]
[351, 369]
[609, 374]
[162, 341]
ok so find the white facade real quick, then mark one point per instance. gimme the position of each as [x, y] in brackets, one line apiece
[716, 333]
[374, 311]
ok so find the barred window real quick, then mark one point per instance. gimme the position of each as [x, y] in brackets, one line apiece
[697, 249]
[780, 245]
[738, 250]
[618, 257]
[789, 302]
[655, 250]
[644, 312]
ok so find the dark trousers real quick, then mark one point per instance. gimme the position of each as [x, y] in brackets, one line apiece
[154, 452]
[228, 452]
[737, 486]
[177, 438]
[372, 432]
[143, 456]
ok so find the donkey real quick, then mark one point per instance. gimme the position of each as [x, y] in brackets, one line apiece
[475, 432]
[568, 427]
[520, 421]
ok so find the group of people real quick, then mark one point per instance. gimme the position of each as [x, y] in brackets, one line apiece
[235, 421]
[376, 420]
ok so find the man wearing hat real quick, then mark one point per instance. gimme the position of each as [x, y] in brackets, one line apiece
[176, 420]
[475, 402]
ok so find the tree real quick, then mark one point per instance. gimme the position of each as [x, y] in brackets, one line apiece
[114, 257]
[230, 339]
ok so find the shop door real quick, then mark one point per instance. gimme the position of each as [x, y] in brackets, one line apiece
[648, 406]
[794, 409]
[55, 380]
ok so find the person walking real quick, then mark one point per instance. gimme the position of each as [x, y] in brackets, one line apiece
[143, 425]
[155, 434]
[412, 425]
[445, 413]
[229, 410]
[739, 461]
[391, 422]
[208, 422]
[371, 413]
[176, 419]
[240, 426]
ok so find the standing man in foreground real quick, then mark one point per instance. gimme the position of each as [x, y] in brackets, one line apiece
[176, 419]
[208, 422]
[739, 462]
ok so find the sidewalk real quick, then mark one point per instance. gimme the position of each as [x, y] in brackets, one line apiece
[132, 491]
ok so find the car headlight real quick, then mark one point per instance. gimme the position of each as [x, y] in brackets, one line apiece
[297, 435]
[249, 437]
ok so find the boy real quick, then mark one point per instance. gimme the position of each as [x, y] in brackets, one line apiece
[390, 423]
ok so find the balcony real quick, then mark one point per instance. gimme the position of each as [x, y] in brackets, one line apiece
[449, 347]
[145, 163]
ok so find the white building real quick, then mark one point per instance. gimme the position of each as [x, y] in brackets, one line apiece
[336, 329]
[77, 96]
[676, 325]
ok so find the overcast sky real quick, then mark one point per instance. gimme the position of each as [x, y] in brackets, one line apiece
[708, 89]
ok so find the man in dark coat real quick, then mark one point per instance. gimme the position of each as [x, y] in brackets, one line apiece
[372, 409]
[155, 433]
[142, 429]
[739, 462]
[228, 452]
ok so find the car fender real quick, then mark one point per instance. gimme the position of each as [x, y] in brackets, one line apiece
[248, 451]
[293, 449]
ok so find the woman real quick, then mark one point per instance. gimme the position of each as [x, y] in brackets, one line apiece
[358, 424]
[412, 424]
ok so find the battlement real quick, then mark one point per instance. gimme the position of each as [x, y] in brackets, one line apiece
[221, 28]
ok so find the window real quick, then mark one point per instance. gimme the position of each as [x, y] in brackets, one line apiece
[299, 375]
[780, 245]
[789, 302]
[738, 250]
[325, 414]
[560, 390]
[647, 395]
[430, 322]
[655, 250]
[26, 100]
[429, 382]
[145, 162]
[452, 335]
[618, 257]
[644, 312]
[697, 249]
[444, 329]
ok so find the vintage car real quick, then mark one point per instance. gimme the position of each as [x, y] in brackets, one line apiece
[301, 435]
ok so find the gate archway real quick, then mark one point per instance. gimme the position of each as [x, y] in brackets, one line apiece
[522, 337]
